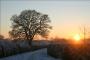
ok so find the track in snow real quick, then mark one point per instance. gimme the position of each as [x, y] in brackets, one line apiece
[36, 55]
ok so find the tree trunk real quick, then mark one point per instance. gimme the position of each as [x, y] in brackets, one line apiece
[30, 41]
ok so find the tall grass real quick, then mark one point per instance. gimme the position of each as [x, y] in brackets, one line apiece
[69, 51]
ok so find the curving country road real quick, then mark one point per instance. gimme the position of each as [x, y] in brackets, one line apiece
[36, 55]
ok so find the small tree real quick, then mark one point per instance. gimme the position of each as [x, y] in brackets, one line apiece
[30, 23]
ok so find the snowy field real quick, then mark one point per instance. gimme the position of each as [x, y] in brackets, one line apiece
[36, 55]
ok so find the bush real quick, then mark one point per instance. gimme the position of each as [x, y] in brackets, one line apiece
[54, 50]
[69, 52]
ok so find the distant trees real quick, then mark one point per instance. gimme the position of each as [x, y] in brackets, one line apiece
[28, 24]
[1, 37]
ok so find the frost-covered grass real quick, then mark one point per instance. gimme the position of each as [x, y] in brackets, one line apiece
[9, 48]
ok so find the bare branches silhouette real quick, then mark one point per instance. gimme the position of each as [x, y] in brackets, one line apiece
[28, 24]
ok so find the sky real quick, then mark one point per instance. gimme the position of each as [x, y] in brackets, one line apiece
[67, 17]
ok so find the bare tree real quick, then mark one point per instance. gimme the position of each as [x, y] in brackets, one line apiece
[30, 23]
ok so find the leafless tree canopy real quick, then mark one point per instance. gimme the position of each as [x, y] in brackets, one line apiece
[28, 24]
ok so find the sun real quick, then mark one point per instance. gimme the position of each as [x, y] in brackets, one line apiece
[77, 37]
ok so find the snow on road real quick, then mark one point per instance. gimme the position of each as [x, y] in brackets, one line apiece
[36, 55]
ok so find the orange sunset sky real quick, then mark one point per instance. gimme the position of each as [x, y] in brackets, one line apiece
[67, 17]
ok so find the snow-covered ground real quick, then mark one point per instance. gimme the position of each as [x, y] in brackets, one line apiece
[36, 55]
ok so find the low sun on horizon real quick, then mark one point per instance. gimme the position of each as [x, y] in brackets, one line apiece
[77, 37]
